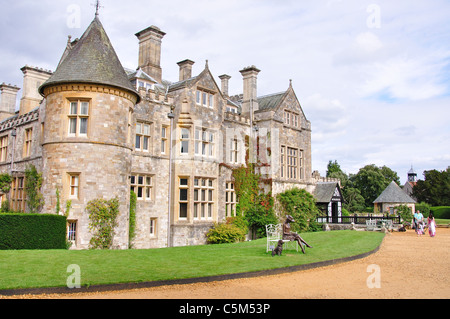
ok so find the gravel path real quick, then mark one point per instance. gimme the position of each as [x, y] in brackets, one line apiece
[406, 265]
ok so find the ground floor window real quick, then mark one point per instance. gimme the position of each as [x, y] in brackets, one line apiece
[18, 194]
[230, 200]
[142, 185]
[203, 198]
[183, 198]
[72, 230]
[153, 229]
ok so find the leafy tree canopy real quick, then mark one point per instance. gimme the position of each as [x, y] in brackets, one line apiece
[371, 181]
[435, 189]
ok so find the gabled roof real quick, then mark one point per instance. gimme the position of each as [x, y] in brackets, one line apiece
[91, 60]
[193, 80]
[325, 191]
[271, 101]
[182, 84]
[394, 194]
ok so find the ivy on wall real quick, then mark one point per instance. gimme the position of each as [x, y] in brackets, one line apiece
[254, 205]
[33, 184]
[102, 222]
[132, 222]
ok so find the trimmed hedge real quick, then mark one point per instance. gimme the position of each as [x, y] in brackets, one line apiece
[442, 212]
[32, 231]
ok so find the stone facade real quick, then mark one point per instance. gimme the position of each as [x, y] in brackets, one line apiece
[173, 143]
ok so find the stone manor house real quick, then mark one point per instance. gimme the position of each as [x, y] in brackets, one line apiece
[96, 130]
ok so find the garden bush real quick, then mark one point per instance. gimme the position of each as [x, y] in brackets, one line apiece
[424, 208]
[441, 212]
[225, 233]
[32, 231]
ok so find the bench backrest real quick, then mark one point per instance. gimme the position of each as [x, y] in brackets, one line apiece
[274, 231]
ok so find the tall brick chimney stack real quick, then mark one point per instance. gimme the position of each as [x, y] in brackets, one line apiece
[150, 41]
[250, 101]
[8, 100]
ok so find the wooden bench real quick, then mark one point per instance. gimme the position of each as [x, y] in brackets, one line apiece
[371, 225]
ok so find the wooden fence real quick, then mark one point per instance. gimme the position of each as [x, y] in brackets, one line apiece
[356, 219]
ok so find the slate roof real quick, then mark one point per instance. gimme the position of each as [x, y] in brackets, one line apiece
[182, 84]
[91, 60]
[324, 191]
[394, 194]
[271, 101]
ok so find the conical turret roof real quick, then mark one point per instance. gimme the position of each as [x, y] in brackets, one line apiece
[92, 60]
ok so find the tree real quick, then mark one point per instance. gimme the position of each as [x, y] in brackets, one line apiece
[334, 171]
[333, 167]
[354, 202]
[435, 189]
[371, 181]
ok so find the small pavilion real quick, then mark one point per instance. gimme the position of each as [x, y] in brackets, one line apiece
[391, 197]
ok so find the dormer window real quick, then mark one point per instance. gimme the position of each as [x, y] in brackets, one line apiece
[145, 85]
[232, 109]
[204, 99]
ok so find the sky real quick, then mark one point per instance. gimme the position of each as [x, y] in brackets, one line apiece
[373, 77]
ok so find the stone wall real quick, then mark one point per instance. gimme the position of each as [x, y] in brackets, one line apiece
[101, 160]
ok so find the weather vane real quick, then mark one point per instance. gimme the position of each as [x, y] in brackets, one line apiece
[97, 7]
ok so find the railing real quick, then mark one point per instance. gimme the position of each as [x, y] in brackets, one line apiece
[356, 219]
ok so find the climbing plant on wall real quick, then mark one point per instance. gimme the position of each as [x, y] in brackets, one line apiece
[254, 204]
[33, 183]
[132, 222]
[102, 222]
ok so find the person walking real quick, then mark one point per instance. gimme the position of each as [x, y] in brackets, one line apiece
[431, 225]
[418, 220]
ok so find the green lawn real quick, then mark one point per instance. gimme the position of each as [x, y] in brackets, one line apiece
[441, 221]
[48, 268]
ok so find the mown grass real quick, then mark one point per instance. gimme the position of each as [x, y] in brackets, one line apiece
[48, 268]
